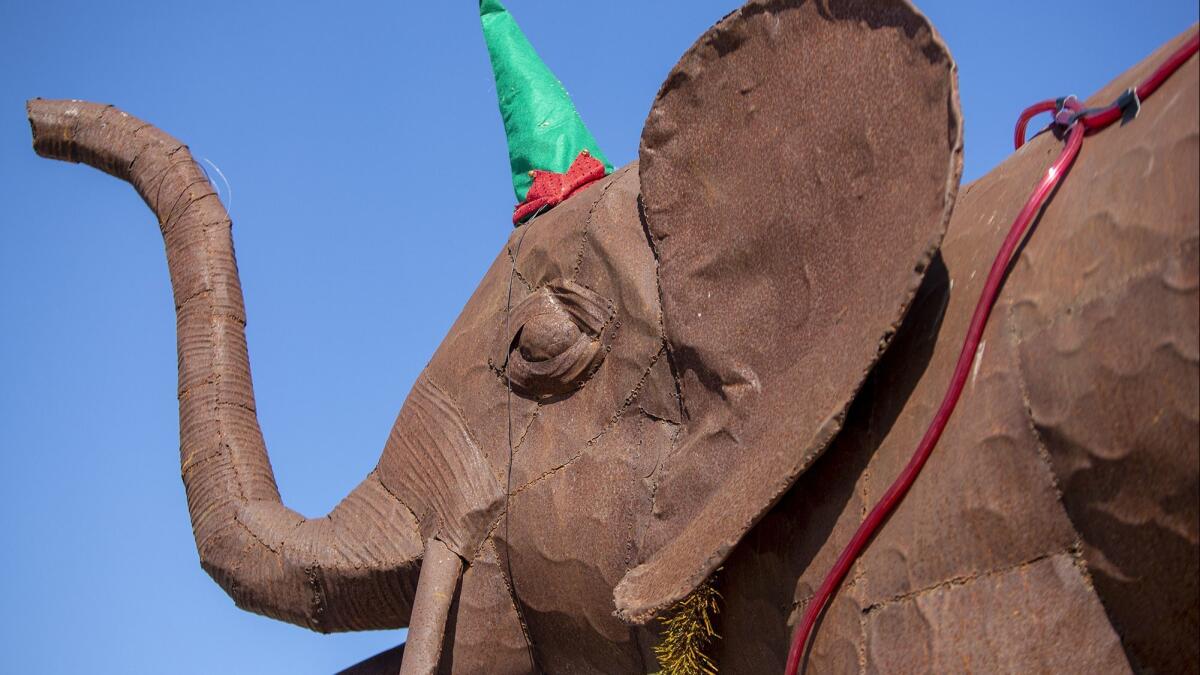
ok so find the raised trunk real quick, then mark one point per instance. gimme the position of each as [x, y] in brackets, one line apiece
[354, 569]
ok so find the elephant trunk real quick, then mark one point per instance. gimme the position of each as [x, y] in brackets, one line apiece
[354, 569]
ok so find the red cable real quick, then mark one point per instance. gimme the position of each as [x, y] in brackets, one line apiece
[1096, 120]
[987, 299]
[1035, 109]
[1169, 67]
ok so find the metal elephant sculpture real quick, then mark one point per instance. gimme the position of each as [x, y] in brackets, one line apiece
[682, 369]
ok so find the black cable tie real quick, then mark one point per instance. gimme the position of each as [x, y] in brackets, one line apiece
[1062, 114]
[1130, 105]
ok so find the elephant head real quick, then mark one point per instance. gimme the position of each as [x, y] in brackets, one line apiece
[643, 372]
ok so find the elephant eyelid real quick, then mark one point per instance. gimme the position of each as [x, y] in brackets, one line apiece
[573, 361]
[590, 311]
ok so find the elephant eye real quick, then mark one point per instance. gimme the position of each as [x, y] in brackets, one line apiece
[556, 339]
[546, 335]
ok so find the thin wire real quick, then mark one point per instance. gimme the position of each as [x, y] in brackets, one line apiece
[228, 187]
[508, 479]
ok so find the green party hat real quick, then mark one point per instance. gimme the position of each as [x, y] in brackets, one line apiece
[544, 130]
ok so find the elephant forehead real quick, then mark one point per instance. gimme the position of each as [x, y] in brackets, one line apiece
[617, 261]
[614, 259]
[552, 245]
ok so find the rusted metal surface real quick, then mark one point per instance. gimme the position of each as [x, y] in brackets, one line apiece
[1075, 440]
[793, 217]
[695, 346]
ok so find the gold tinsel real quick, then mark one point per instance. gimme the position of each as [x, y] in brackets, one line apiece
[687, 632]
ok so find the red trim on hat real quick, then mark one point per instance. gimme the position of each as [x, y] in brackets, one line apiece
[550, 189]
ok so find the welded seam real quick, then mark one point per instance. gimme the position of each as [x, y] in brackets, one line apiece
[662, 324]
[318, 604]
[656, 416]
[165, 173]
[608, 426]
[512, 596]
[237, 518]
[141, 151]
[512, 259]
[395, 496]
[537, 411]
[587, 223]
[962, 580]
[203, 291]
[240, 320]
[655, 474]
[172, 216]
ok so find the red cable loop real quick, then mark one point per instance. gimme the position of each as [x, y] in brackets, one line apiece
[991, 290]
[1049, 105]
[1096, 120]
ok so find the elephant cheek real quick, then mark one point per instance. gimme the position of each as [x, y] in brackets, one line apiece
[573, 534]
[434, 465]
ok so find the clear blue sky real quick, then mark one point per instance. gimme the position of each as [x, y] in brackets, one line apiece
[370, 190]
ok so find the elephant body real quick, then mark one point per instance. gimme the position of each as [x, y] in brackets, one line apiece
[1055, 528]
[714, 360]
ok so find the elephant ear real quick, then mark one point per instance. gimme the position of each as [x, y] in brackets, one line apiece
[798, 169]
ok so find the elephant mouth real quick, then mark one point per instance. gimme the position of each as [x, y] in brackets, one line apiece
[555, 340]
